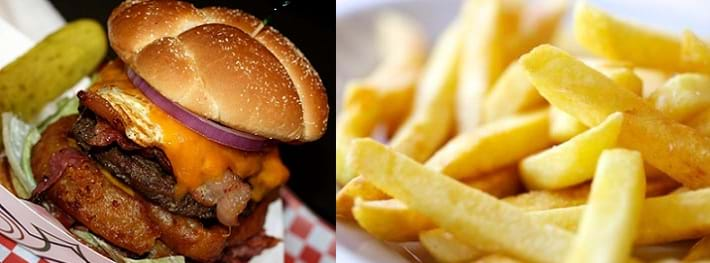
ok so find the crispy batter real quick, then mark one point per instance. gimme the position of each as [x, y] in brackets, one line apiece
[188, 236]
[85, 194]
[192, 239]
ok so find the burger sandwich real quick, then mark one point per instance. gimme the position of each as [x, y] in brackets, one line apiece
[174, 150]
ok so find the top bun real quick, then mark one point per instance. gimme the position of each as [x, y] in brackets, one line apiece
[207, 61]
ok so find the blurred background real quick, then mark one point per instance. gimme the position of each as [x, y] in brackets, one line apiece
[312, 31]
[354, 23]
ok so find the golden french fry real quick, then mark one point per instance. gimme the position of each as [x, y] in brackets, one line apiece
[485, 25]
[699, 251]
[549, 199]
[701, 122]
[577, 195]
[469, 214]
[652, 79]
[676, 149]
[573, 161]
[614, 39]
[567, 83]
[608, 226]
[538, 25]
[624, 78]
[402, 47]
[695, 53]
[497, 258]
[356, 188]
[389, 220]
[511, 94]
[357, 120]
[683, 96]
[502, 183]
[493, 146]
[446, 248]
[432, 117]
[564, 126]
[673, 217]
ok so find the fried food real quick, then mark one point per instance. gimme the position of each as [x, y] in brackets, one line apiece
[471, 215]
[566, 82]
[85, 193]
[610, 220]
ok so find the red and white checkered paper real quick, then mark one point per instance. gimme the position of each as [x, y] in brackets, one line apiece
[307, 238]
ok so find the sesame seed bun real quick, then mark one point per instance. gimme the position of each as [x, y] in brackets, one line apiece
[221, 64]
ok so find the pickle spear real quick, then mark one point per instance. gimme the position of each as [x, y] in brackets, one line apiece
[51, 67]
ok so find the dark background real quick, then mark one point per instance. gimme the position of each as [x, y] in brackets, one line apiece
[310, 26]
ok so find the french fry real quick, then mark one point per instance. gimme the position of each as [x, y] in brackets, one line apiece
[573, 161]
[611, 217]
[486, 23]
[356, 188]
[567, 83]
[673, 217]
[683, 96]
[497, 258]
[446, 248]
[676, 149]
[608, 37]
[390, 220]
[564, 126]
[652, 79]
[469, 214]
[403, 51]
[538, 25]
[549, 199]
[493, 146]
[699, 251]
[701, 122]
[357, 120]
[511, 94]
[501, 183]
[577, 195]
[623, 77]
[695, 53]
[402, 47]
[432, 117]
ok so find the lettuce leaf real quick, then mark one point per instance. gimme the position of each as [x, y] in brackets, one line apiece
[115, 254]
[18, 139]
[17, 136]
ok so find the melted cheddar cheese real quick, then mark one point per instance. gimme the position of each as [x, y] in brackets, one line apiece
[195, 159]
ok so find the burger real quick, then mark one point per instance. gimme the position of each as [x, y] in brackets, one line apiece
[174, 150]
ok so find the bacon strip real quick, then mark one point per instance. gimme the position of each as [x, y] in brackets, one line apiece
[58, 163]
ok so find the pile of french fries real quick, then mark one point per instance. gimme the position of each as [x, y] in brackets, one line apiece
[499, 147]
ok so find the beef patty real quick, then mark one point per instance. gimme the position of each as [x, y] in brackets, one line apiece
[145, 170]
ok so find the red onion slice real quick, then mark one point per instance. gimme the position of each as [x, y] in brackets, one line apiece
[211, 130]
